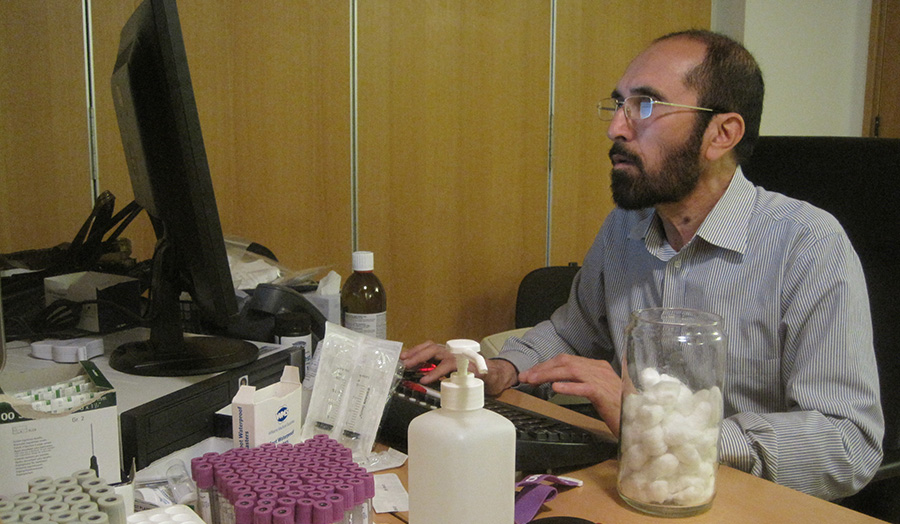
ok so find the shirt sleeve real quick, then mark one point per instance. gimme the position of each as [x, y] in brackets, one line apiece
[828, 442]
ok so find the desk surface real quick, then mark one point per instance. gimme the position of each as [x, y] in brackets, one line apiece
[741, 498]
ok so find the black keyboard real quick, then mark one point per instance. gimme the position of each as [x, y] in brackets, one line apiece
[542, 443]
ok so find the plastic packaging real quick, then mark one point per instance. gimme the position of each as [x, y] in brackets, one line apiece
[352, 386]
[671, 411]
[363, 299]
[462, 457]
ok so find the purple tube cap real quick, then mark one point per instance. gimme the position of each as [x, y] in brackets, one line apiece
[323, 512]
[204, 476]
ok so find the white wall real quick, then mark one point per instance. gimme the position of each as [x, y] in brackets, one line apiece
[813, 54]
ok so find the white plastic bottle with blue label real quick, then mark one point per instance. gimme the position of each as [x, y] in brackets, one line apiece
[462, 457]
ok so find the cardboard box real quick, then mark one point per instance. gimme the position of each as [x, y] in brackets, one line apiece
[35, 443]
[89, 285]
[271, 414]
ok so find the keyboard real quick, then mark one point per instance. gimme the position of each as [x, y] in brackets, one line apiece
[543, 444]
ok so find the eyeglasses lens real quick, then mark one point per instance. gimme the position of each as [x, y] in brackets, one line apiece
[645, 103]
[635, 107]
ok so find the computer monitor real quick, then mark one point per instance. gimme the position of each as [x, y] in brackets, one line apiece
[160, 130]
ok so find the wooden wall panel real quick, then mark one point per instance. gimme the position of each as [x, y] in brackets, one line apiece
[453, 116]
[107, 19]
[45, 181]
[271, 81]
[595, 43]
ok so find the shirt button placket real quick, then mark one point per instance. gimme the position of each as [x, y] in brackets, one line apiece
[673, 287]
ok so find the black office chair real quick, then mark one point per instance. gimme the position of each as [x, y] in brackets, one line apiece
[858, 181]
[542, 291]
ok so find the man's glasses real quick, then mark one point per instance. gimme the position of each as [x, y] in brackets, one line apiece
[636, 107]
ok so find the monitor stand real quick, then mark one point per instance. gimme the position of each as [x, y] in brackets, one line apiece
[197, 355]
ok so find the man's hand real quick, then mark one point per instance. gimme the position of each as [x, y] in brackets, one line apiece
[586, 377]
[500, 376]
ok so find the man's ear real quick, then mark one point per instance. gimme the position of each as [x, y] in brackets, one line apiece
[724, 132]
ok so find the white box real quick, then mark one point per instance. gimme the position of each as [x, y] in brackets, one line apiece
[328, 305]
[89, 285]
[271, 414]
[35, 443]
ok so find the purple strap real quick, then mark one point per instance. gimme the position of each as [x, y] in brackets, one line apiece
[534, 493]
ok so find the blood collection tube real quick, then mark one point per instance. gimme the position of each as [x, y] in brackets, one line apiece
[283, 515]
[203, 477]
[323, 512]
[340, 507]
[303, 511]
[243, 511]
[263, 514]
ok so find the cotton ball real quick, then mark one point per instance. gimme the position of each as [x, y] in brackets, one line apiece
[707, 442]
[692, 491]
[654, 441]
[662, 466]
[701, 417]
[706, 470]
[632, 487]
[665, 377]
[675, 430]
[686, 401]
[649, 377]
[657, 491]
[633, 458]
[702, 395]
[665, 393]
[630, 406]
[687, 455]
[650, 415]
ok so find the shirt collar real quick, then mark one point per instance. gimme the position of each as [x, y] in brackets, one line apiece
[726, 226]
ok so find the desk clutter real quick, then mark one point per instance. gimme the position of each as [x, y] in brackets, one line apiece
[56, 420]
[62, 396]
[80, 498]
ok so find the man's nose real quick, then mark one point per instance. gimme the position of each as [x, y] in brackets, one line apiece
[620, 127]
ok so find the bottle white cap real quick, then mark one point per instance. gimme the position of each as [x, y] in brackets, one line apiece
[464, 391]
[363, 261]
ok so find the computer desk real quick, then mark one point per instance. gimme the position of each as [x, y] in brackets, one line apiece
[740, 498]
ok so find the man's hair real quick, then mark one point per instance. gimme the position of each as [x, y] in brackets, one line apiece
[728, 80]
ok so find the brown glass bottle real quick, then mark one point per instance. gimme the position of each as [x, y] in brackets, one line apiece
[363, 300]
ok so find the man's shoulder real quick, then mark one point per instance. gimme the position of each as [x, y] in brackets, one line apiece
[774, 209]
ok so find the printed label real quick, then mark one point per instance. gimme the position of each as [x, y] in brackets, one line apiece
[374, 325]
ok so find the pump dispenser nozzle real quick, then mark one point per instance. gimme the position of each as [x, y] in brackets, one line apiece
[464, 392]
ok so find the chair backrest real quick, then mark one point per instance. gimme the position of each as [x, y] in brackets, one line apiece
[541, 292]
[858, 181]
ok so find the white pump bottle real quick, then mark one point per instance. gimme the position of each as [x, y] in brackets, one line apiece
[462, 457]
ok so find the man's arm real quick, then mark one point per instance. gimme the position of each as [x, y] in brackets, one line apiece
[828, 443]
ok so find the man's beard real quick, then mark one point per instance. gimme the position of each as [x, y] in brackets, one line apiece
[676, 178]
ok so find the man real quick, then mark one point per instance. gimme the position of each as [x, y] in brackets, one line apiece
[801, 390]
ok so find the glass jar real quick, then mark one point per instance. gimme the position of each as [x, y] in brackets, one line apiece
[672, 410]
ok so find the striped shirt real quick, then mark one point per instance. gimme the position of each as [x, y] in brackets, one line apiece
[801, 387]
